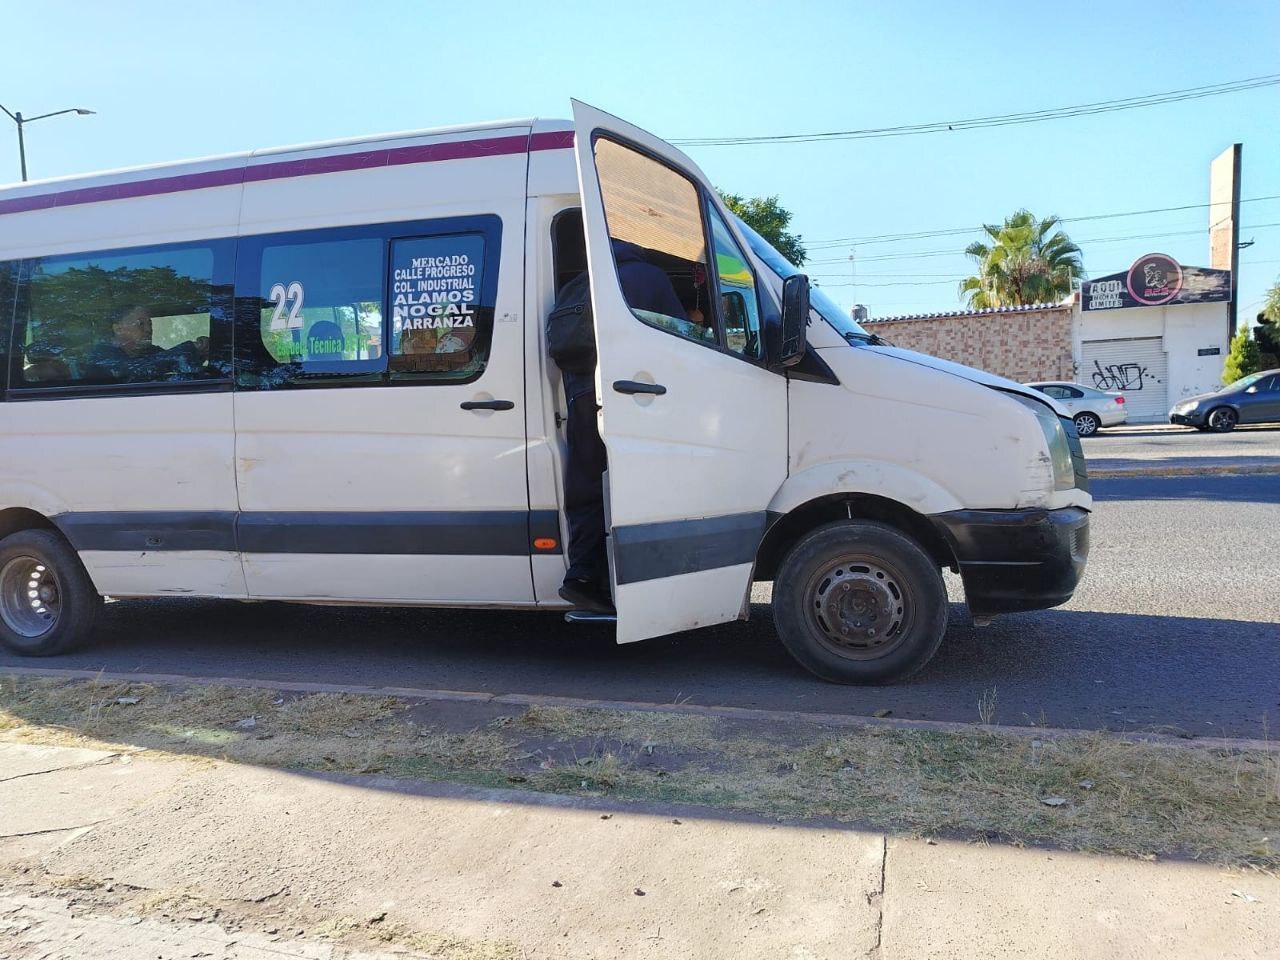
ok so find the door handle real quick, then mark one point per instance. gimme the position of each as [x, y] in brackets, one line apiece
[636, 386]
[488, 405]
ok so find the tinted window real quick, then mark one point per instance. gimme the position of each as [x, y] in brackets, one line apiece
[8, 286]
[1050, 390]
[368, 304]
[1072, 393]
[320, 305]
[656, 228]
[149, 315]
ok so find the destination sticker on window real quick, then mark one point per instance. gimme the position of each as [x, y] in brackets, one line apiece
[435, 293]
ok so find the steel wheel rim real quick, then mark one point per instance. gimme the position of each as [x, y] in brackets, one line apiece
[859, 607]
[30, 597]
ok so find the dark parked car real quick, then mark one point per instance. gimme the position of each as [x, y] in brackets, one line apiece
[1251, 399]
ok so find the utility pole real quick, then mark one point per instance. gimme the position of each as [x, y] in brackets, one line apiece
[21, 121]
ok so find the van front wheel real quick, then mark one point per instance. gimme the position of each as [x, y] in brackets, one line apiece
[48, 604]
[860, 602]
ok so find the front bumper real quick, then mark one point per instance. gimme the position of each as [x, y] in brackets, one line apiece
[1014, 560]
[1194, 419]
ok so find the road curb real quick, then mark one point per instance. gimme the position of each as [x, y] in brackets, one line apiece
[1118, 473]
[721, 712]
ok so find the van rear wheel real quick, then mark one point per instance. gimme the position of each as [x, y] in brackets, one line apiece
[860, 602]
[48, 604]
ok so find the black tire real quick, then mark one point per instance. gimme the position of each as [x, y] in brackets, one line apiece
[66, 609]
[1087, 424]
[1222, 419]
[846, 636]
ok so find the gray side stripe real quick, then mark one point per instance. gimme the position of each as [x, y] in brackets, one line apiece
[501, 533]
[169, 530]
[649, 551]
[422, 533]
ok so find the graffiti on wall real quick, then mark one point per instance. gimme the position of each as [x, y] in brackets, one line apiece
[1120, 376]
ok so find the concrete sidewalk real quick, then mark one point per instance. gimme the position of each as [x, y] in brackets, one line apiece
[106, 855]
[1167, 450]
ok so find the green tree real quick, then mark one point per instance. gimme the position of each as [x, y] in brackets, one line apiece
[769, 219]
[1243, 358]
[1267, 332]
[1271, 305]
[1026, 261]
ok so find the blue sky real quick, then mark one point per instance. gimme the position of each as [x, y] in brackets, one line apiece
[171, 81]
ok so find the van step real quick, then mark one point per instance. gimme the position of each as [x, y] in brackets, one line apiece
[586, 616]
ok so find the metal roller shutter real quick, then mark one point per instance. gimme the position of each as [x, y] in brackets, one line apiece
[1137, 367]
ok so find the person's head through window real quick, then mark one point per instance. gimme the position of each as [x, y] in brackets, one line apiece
[132, 330]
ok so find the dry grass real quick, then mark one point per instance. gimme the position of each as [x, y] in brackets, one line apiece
[686, 730]
[436, 946]
[1117, 795]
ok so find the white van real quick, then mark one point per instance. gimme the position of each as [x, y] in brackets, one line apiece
[318, 374]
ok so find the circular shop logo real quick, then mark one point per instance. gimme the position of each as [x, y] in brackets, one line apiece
[1155, 279]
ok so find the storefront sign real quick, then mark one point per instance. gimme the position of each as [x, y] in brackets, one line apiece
[1154, 280]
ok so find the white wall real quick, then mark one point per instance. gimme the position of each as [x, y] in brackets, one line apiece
[1189, 328]
[1186, 329]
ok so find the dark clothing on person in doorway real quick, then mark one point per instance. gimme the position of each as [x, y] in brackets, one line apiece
[584, 484]
[645, 286]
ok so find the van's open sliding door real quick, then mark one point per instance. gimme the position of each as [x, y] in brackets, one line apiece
[694, 424]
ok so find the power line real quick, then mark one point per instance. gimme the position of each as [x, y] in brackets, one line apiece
[956, 278]
[953, 231]
[958, 253]
[922, 283]
[999, 120]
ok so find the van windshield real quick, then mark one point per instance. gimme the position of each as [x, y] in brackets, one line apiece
[827, 308]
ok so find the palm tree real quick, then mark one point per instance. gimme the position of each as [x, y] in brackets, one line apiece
[1028, 261]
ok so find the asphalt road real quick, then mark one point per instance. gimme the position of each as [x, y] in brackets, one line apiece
[1177, 626]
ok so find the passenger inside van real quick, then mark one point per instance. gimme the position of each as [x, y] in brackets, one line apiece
[130, 354]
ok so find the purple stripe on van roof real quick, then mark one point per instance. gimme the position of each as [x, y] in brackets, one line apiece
[281, 169]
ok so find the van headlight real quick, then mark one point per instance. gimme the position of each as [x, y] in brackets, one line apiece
[1064, 471]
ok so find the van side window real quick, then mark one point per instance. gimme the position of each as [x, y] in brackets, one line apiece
[319, 305]
[441, 306]
[142, 316]
[370, 304]
[655, 224]
[8, 291]
[740, 306]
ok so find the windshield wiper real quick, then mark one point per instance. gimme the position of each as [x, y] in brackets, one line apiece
[874, 339]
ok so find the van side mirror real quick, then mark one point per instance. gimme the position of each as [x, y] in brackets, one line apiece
[795, 320]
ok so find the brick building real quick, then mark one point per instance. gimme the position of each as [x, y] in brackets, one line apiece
[1022, 343]
[1156, 344]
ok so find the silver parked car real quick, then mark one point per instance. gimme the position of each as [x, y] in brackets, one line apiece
[1090, 408]
[1251, 399]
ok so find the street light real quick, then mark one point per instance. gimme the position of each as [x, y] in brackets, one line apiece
[19, 119]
